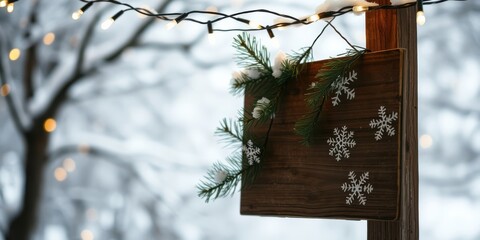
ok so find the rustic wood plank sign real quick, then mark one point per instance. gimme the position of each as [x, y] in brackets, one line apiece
[352, 169]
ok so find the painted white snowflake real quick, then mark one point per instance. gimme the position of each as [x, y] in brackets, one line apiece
[384, 124]
[341, 143]
[357, 188]
[251, 152]
[340, 87]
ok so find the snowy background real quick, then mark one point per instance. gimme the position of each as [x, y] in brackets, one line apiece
[134, 137]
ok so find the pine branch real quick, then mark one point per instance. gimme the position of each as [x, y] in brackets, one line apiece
[330, 73]
[250, 53]
[300, 58]
[222, 179]
[230, 132]
[258, 87]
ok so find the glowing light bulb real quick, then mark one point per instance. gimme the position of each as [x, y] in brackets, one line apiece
[426, 141]
[69, 165]
[10, 7]
[176, 21]
[14, 54]
[313, 18]
[5, 90]
[3, 3]
[86, 235]
[274, 41]
[359, 9]
[212, 9]
[76, 15]
[107, 23]
[171, 24]
[421, 18]
[211, 36]
[254, 24]
[49, 38]
[50, 125]
[60, 174]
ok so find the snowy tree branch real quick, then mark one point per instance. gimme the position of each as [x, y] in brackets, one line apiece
[79, 65]
[30, 59]
[77, 73]
[9, 97]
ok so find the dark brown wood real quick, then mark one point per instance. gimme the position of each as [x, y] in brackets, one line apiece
[388, 29]
[305, 181]
[23, 224]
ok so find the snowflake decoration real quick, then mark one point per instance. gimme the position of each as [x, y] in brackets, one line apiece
[340, 87]
[384, 124]
[357, 188]
[341, 143]
[251, 152]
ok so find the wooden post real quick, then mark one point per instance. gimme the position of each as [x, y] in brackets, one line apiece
[387, 29]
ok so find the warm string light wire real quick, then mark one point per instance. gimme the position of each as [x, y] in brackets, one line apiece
[176, 18]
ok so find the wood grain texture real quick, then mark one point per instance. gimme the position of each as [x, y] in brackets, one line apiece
[386, 29]
[302, 181]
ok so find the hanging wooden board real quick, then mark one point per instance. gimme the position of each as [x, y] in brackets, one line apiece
[352, 169]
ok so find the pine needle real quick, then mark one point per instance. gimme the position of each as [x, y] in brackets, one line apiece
[331, 72]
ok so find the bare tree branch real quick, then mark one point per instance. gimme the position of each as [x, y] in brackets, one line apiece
[30, 59]
[61, 94]
[79, 73]
[9, 97]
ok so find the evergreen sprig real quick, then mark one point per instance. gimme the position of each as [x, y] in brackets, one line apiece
[330, 73]
[300, 58]
[211, 188]
[250, 52]
[230, 132]
[223, 178]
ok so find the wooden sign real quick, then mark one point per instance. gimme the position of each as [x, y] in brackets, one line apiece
[352, 169]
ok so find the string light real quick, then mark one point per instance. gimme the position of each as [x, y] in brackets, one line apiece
[3, 3]
[10, 7]
[273, 39]
[86, 234]
[359, 9]
[5, 90]
[426, 141]
[292, 20]
[255, 24]
[176, 21]
[107, 23]
[251, 23]
[50, 125]
[60, 174]
[69, 165]
[77, 14]
[212, 9]
[211, 36]
[313, 18]
[49, 38]
[420, 14]
[14, 54]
